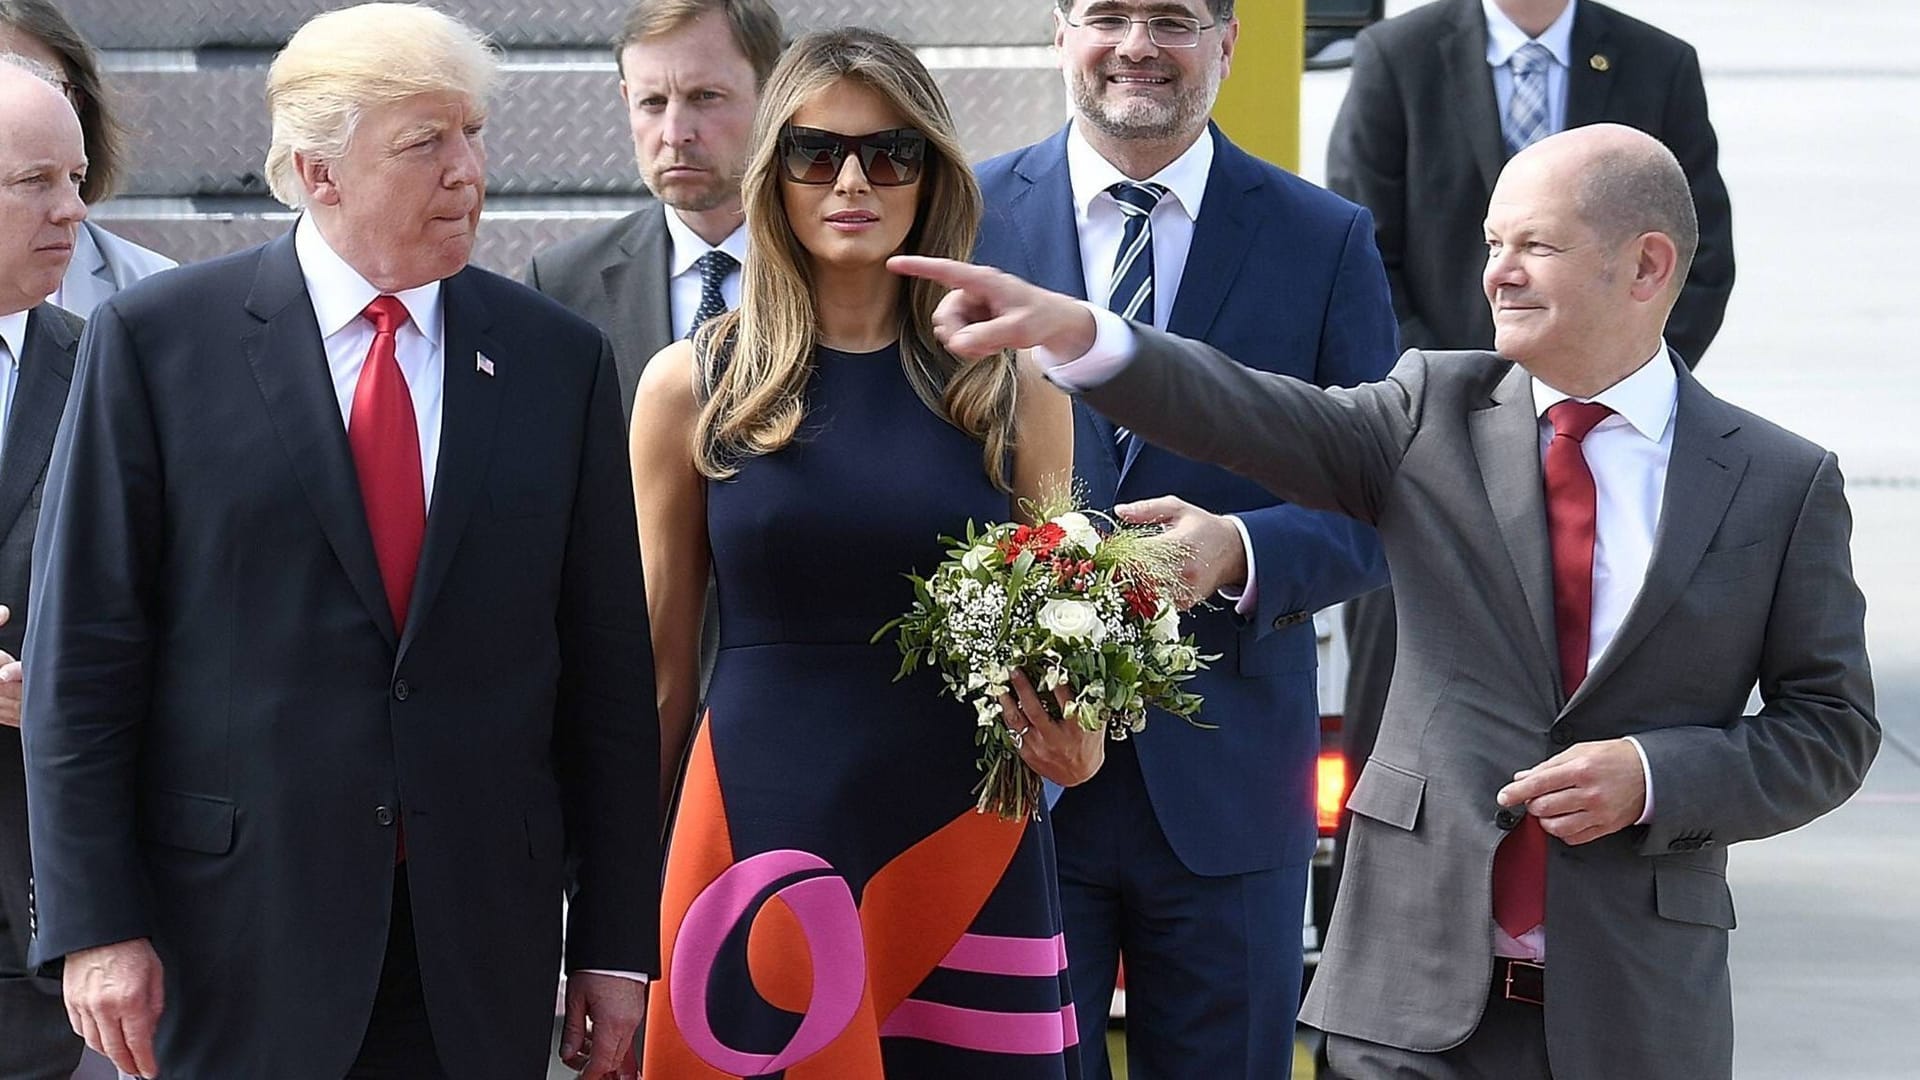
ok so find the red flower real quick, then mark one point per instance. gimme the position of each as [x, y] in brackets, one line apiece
[1041, 540]
[1143, 600]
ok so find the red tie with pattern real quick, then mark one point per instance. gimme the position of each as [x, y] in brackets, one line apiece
[1520, 864]
[386, 452]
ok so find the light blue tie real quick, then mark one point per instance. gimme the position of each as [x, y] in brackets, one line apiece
[1130, 295]
[1527, 113]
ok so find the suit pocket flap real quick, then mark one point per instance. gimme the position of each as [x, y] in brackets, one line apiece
[194, 822]
[1389, 794]
[1691, 894]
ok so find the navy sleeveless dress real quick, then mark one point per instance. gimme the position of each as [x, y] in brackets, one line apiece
[834, 908]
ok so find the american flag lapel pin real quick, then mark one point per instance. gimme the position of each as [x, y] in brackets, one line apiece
[482, 365]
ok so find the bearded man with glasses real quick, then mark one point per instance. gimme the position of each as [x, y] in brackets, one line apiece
[1188, 852]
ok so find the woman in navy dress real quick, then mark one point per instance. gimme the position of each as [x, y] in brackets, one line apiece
[834, 907]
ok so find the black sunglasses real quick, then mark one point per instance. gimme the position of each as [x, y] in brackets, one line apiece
[888, 158]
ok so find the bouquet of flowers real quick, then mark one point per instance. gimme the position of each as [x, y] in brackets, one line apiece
[1078, 600]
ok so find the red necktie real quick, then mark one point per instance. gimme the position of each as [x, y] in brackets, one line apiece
[1520, 865]
[386, 452]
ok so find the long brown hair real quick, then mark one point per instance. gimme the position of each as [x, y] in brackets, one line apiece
[754, 361]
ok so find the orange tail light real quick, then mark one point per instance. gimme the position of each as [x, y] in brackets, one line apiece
[1332, 796]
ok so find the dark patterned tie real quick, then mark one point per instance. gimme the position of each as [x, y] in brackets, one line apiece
[1130, 295]
[1520, 863]
[714, 267]
[1527, 110]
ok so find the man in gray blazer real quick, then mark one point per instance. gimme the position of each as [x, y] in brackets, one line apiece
[41, 154]
[690, 75]
[1536, 883]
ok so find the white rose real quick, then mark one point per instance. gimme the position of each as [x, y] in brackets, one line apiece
[1166, 628]
[1073, 620]
[1080, 532]
[976, 557]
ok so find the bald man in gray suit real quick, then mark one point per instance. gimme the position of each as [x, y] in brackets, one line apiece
[1584, 609]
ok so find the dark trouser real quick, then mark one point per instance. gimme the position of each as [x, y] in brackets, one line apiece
[1213, 963]
[36, 1040]
[1509, 1044]
[399, 1044]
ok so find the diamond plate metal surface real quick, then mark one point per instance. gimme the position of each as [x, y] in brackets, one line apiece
[504, 246]
[552, 131]
[193, 24]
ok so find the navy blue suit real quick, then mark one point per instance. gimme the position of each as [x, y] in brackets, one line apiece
[1189, 850]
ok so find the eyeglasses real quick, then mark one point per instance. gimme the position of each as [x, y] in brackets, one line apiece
[1166, 31]
[75, 95]
[888, 158]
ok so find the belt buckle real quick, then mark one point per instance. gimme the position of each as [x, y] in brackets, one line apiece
[1513, 993]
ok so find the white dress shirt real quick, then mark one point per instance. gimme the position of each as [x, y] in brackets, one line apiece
[339, 295]
[1100, 222]
[1504, 39]
[683, 277]
[13, 341]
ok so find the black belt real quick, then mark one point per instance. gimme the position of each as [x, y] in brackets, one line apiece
[1519, 980]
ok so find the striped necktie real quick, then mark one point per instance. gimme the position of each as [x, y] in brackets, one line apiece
[1130, 294]
[1527, 112]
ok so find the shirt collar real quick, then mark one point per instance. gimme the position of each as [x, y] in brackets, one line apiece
[1091, 175]
[1645, 398]
[1504, 38]
[13, 331]
[687, 246]
[340, 294]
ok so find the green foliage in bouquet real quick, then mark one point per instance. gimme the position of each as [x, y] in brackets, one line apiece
[1070, 602]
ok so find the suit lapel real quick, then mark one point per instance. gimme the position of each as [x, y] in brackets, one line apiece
[46, 373]
[637, 295]
[1477, 110]
[1041, 213]
[1506, 443]
[290, 367]
[470, 406]
[1702, 476]
[1587, 84]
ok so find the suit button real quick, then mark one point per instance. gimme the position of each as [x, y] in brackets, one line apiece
[1561, 734]
[1508, 818]
[401, 690]
[383, 815]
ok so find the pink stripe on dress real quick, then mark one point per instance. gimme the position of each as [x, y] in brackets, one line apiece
[985, 954]
[979, 1029]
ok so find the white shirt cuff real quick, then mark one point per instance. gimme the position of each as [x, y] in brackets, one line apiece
[1246, 597]
[1646, 771]
[1112, 350]
[634, 975]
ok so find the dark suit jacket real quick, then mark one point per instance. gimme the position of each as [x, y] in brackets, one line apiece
[1750, 582]
[1418, 142]
[223, 728]
[1283, 274]
[615, 277]
[34, 1037]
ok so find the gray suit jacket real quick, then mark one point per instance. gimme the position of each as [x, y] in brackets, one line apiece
[615, 277]
[102, 265]
[1751, 581]
[34, 1037]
